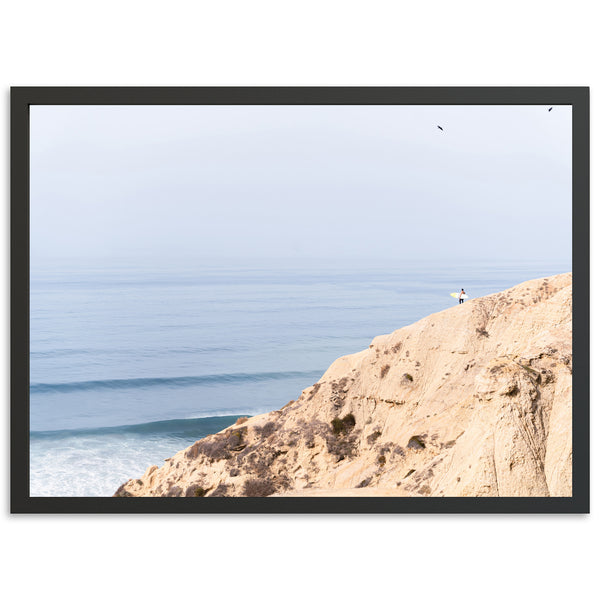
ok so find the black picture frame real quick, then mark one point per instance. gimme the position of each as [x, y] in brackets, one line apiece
[24, 97]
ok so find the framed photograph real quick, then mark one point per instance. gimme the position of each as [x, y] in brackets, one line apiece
[300, 300]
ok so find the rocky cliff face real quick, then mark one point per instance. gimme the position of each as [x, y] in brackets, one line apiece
[471, 401]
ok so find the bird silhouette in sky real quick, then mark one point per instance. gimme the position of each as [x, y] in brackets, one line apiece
[440, 128]
[550, 108]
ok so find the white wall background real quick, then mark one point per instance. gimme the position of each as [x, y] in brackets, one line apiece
[297, 43]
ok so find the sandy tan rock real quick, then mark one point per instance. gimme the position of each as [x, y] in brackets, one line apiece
[471, 401]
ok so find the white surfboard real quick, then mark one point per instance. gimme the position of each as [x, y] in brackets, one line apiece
[457, 294]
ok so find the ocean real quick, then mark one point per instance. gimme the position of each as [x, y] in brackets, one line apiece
[130, 364]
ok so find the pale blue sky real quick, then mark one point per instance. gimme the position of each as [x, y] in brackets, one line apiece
[300, 183]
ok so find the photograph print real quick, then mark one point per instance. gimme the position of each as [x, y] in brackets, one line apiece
[351, 306]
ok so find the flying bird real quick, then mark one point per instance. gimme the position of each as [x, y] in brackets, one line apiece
[440, 128]
[550, 108]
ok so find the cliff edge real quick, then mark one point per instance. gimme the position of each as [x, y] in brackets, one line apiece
[471, 401]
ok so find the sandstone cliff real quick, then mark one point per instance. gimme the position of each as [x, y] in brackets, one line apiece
[471, 401]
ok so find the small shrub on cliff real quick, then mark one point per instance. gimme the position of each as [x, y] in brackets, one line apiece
[337, 425]
[192, 451]
[391, 447]
[341, 446]
[309, 431]
[349, 421]
[511, 390]
[220, 446]
[384, 371]
[260, 463]
[399, 450]
[371, 438]
[292, 439]
[282, 481]
[236, 437]
[408, 377]
[241, 420]
[195, 491]
[339, 387]
[258, 488]
[309, 438]
[381, 460]
[266, 430]
[343, 426]
[221, 491]
[216, 448]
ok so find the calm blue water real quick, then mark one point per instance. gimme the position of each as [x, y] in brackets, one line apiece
[130, 365]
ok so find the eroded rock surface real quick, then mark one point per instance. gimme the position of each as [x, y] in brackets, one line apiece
[471, 401]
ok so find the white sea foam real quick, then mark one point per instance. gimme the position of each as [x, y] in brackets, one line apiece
[95, 465]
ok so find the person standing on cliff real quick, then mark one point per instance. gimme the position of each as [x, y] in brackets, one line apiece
[461, 296]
